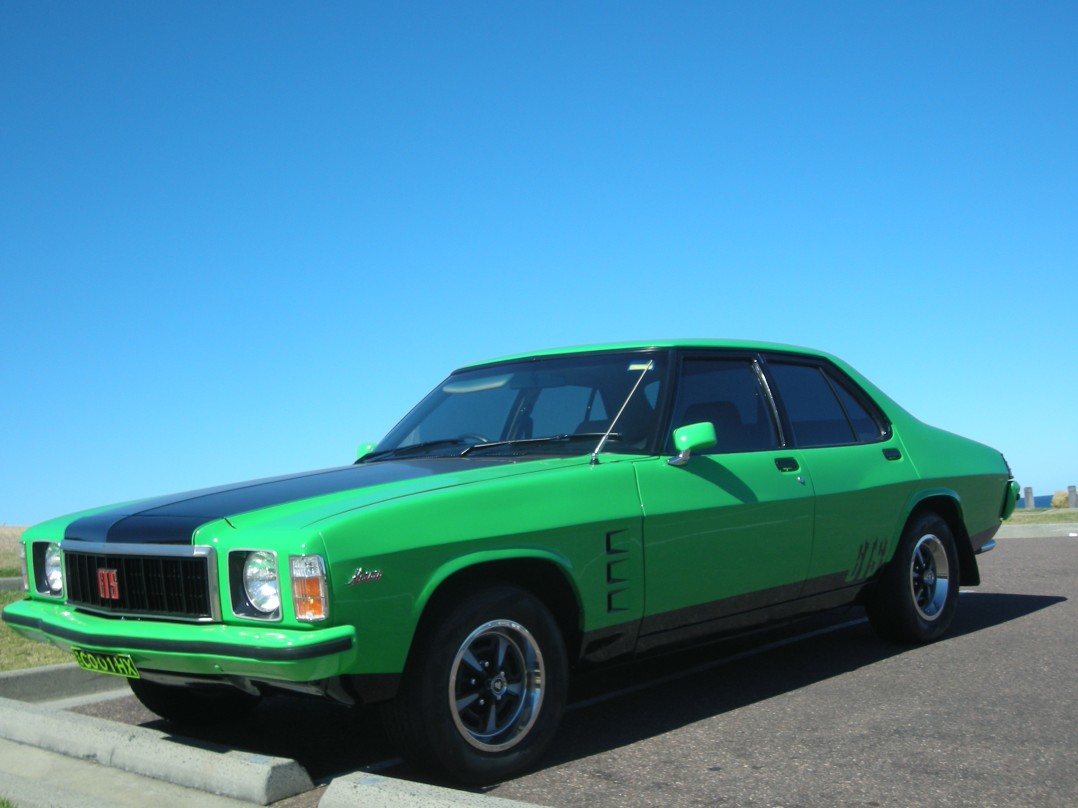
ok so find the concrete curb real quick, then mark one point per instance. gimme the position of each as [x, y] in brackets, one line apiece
[218, 770]
[386, 792]
[11, 583]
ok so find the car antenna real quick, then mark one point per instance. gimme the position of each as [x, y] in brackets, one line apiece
[610, 429]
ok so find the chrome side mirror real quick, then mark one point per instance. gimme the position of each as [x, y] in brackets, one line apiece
[690, 438]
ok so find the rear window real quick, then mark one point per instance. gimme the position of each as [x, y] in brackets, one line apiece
[822, 411]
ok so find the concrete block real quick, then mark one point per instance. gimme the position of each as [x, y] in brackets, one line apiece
[218, 770]
[387, 792]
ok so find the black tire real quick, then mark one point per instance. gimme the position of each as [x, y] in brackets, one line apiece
[193, 706]
[916, 597]
[484, 690]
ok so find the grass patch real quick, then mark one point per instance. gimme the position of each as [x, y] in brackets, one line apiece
[9, 553]
[16, 653]
[1044, 516]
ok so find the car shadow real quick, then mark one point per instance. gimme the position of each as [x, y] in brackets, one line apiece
[982, 610]
[608, 708]
[651, 698]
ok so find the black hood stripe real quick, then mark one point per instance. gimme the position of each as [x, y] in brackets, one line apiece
[174, 519]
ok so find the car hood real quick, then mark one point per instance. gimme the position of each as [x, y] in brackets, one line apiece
[174, 519]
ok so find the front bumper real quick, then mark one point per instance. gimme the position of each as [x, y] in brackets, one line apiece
[256, 652]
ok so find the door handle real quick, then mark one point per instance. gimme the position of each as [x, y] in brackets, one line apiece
[786, 464]
[892, 454]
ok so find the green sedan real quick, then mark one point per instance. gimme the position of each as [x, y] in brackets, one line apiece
[532, 515]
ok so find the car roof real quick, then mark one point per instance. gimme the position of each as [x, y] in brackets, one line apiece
[729, 344]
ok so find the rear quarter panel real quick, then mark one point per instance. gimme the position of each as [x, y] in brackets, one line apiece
[974, 475]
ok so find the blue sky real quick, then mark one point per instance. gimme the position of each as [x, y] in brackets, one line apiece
[237, 239]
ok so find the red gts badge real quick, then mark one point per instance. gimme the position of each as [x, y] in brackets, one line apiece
[107, 585]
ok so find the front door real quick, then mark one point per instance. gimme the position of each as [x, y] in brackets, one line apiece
[731, 530]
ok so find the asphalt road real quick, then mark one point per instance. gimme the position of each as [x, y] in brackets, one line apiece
[820, 714]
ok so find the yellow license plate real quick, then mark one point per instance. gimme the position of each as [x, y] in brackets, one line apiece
[112, 664]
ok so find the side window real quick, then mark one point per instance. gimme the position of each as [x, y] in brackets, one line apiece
[865, 427]
[727, 393]
[816, 415]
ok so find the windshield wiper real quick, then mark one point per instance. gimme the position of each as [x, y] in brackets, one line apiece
[411, 449]
[523, 442]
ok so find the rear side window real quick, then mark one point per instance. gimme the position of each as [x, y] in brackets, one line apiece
[822, 412]
[865, 428]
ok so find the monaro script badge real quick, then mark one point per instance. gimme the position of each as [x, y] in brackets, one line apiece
[361, 576]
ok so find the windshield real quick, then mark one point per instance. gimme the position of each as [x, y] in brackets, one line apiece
[536, 405]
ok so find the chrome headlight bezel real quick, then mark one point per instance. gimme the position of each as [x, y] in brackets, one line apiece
[48, 566]
[255, 584]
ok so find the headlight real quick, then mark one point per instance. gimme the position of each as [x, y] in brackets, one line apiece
[48, 568]
[260, 582]
[54, 571]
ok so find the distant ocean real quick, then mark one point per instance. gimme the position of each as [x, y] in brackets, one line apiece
[1038, 502]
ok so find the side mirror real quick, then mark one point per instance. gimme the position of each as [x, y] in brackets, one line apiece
[690, 438]
[364, 450]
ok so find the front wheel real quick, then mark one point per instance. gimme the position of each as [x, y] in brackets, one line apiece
[916, 597]
[483, 695]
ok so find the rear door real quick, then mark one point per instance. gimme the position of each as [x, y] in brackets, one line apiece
[861, 477]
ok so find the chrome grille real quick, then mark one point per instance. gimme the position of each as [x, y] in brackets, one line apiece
[143, 580]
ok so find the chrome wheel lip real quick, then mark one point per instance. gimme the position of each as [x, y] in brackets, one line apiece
[930, 577]
[499, 660]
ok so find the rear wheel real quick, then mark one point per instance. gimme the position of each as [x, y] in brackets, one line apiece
[483, 695]
[193, 705]
[916, 597]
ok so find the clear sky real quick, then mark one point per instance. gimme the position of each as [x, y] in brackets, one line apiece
[237, 239]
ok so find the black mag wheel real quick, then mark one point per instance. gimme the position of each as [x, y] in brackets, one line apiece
[193, 705]
[496, 685]
[916, 598]
[484, 690]
[930, 580]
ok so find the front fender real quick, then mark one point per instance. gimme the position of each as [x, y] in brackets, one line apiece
[459, 564]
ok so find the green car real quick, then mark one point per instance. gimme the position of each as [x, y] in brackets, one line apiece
[530, 516]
